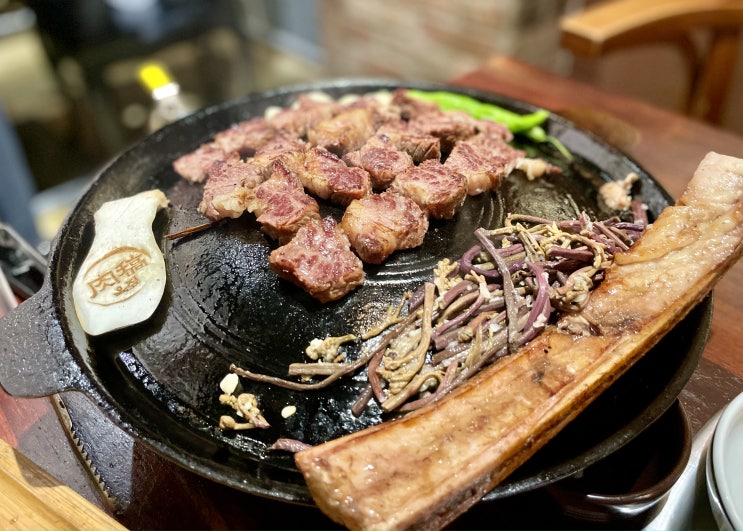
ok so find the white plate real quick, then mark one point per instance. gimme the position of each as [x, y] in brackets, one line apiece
[727, 461]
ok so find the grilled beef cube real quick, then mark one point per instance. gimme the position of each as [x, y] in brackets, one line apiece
[245, 137]
[195, 165]
[344, 132]
[326, 176]
[485, 160]
[308, 111]
[494, 129]
[420, 146]
[280, 204]
[379, 224]
[226, 187]
[382, 162]
[383, 109]
[280, 146]
[449, 127]
[351, 127]
[412, 107]
[437, 189]
[319, 260]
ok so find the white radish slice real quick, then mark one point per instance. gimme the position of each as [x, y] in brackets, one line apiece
[122, 279]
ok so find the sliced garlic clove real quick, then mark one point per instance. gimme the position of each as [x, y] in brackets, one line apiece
[122, 279]
[229, 383]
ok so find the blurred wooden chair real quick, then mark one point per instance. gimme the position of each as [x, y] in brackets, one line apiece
[606, 27]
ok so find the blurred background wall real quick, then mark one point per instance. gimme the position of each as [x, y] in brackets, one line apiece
[438, 40]
[68, 68]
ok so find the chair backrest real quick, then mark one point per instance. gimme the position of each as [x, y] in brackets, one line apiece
[607, 27]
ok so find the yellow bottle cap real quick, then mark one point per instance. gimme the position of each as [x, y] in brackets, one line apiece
[154, 76]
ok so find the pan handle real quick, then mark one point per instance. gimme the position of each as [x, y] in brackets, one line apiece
[34, 358]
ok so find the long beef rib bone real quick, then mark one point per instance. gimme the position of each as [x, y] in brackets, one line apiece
[424, 469]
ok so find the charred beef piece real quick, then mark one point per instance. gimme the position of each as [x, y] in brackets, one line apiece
[420, 146]
[245, 137]
[494, 129]
[412, 107]
[280, 204]
[350, 128]
[382, 162]
[226, 187]
[326, 176]
[437, 189]
[230, 182]
[344, 132]
[281, 146]
[309, 110]
[194, 166]
[449, 127]
[382, 108]
[319, 260]
[417, 110]
[484, 160]
[379, 224]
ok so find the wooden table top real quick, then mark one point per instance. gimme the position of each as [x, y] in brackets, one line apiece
[164, 496]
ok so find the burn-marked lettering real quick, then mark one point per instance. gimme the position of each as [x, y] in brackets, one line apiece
[116, 276]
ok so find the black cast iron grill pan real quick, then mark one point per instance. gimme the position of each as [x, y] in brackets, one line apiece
[159, 380]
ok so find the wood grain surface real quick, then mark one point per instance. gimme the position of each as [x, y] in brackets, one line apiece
[30, 498]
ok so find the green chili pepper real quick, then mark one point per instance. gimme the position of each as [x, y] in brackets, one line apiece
[526, 124]
[538, 134]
